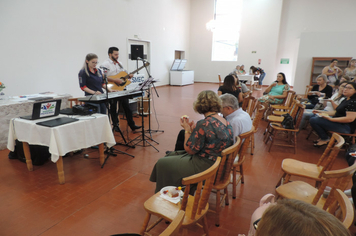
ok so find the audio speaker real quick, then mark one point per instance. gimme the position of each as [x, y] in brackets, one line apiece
[136, 51]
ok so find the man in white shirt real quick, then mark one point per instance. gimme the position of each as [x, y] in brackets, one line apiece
[114, 67]
[238, 118]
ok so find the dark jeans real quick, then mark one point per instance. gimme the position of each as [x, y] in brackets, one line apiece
[322, 126]
[124, 103]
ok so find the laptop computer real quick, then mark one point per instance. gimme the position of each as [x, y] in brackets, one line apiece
[57, 121]
[44, 110]
[40, 98]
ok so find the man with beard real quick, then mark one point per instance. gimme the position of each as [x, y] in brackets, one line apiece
[116, 67]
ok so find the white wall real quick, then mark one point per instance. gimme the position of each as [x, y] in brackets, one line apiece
[43, 43]
[302, 20]
[259, 32]
[320, 44]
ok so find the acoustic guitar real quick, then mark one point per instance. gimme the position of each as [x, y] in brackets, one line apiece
[116, 85]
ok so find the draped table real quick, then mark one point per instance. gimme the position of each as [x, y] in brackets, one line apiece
[17, 106]
[86, 132]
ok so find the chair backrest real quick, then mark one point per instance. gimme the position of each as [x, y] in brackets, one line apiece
[201, 195]
[346, 210]
[75, 101]
[288, 100]
[245, 102]
[245, 142]
[251, 105]
[174, 226]
[307, 90]
[299, 114]
[220, 81]
[227, 159]
[258, 116]
[340, 178]
[329, 155]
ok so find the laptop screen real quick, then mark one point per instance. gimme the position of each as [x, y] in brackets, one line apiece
[48, 108]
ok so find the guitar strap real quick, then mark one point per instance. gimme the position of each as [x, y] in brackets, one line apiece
[115, 61]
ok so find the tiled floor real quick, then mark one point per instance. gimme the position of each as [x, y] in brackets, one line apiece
[96, 201]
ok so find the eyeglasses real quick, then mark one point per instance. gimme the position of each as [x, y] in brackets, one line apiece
[255, 224]
[349, 87]
[94, 62]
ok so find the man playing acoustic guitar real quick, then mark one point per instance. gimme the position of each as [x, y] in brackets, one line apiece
[115, 67]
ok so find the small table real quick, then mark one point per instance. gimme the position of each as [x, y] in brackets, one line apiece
[17, 106]
[248, 78]
[88, 131]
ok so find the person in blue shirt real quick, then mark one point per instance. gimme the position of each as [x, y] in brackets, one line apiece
[91, 80]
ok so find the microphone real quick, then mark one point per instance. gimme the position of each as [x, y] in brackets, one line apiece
[104, 68]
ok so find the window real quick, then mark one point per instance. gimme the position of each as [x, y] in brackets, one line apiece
[226, 29]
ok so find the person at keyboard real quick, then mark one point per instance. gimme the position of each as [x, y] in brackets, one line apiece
[91, 80]
[115, 67]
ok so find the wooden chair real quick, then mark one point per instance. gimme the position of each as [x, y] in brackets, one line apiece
[195, 206]
[251, 105]
[74, 101]
[309, 170]
[238, 165]
[220, 81]
[256, 121]
[174, 226]
[171, 230]
[349, 138]
[286, 103]
[276, 128]
[305, 192]
[279, 119]
[289, 110]
[245, 102]
[223, 178]
[346, 209]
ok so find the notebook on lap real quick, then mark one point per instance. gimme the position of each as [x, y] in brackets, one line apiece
[57, 121]
[44, 110]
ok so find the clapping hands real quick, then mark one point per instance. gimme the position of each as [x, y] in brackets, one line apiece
[188, 126]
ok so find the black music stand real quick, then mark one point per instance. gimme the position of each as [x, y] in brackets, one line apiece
[113, 151]
[150, 131]
[143, 137]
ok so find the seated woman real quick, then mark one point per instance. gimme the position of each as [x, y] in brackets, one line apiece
[230, 87]
[203, 143]
[321, 89]
[236, 71]
[342, 120]
[242, 70]
[329, 105]
[276, 92]
[293, 217]
[244, 89]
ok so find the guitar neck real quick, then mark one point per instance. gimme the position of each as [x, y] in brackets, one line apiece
[146, 64]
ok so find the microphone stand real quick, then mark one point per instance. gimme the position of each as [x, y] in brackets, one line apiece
[150, 131]
[143, 137]
[111, 151]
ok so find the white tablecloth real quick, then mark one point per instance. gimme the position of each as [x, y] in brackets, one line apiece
[247, 77]
[87, 132]
[15, 107]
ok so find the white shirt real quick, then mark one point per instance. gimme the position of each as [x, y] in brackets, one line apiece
[114, 68]
[329, 106]
[240, 122]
